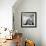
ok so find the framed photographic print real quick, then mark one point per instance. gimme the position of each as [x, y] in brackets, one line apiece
[28, 19]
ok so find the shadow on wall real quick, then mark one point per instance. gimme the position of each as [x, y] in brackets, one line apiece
[17, 4]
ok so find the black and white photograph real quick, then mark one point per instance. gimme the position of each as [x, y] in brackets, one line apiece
[28, 19]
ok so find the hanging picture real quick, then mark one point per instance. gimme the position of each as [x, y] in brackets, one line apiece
[28, 19]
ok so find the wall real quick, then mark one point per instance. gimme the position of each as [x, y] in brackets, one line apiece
[28, 6]
[6, 13]
[43, 22]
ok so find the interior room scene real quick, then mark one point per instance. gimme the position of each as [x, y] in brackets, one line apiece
[22, 22]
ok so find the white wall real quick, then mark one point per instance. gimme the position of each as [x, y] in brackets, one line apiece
[6, 13]
[37, 34]
[28, 6]
[43, 22]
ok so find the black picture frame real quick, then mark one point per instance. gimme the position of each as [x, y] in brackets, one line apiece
[28, 19]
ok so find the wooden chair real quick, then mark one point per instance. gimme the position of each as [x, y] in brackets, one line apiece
[18, 39]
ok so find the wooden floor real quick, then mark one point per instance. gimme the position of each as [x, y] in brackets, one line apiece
[9, 43]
